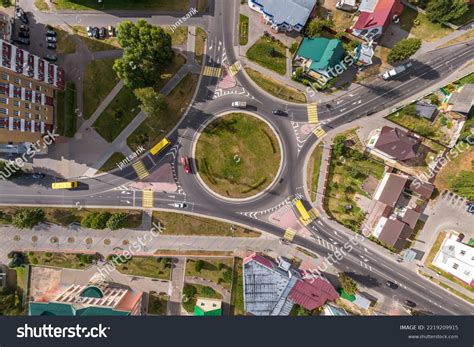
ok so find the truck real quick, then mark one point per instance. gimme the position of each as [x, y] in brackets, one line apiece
[395, 71]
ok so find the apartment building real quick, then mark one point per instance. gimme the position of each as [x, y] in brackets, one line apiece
[27, 88]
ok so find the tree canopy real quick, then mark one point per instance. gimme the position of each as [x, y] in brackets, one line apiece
[151, 102]
[316, 26]
[146, 52]
[445, 10]
[404, 49]
[28, 218]
[347, 284]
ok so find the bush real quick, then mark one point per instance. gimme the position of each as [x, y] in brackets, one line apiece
[48, 254]
[34, 261]
[434, 99]
[86, 258]
[198, 265]
[294, 47]
[100, 220]
[28, 218]
[117, 221]
[86, 221]
[404, 49]
[208, 292]
[227, 276]
[347, 284]
[189, 291]
[440, 11]
[316, 26]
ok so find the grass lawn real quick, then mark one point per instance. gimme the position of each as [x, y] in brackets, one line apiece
[60, 112]
[112, 162]
[154, 129]
[155, 5]
[202, 4]
[346, 177]
[6, 3]
[269, 54]
[96, 45]
[463, 38]
[66, 43]
[243, 30]
[426, 30]
[238, 155]
[41, 5]
[147, 267]
[179, 36]
[200, 44]
[58, 259]
[171, 70]
[157, 304]
[237, 295]
[120, 112]
[432, 255]
[210, 270]
[95, 92]
[275, 88]
[182, 224]
[70, 109]
[418, 125]
[458, 174]
[312, 175]
[21, 280]
[189, 303]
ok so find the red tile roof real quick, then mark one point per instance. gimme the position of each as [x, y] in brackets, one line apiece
[312, 293]
[383, 12]
[258, 258]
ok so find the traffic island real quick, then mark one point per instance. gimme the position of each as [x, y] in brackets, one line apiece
[237, 156]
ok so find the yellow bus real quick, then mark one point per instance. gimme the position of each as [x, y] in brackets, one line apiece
[160, 146]
[302, 211]
[64, 185]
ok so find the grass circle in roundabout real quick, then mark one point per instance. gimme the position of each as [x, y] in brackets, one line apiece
[237, 155]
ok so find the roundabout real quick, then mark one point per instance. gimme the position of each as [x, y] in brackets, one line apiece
[237, 156]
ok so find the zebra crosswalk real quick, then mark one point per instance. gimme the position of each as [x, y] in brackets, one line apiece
[147, 198]
[319, 131]
[235, 68]
[312, 113]
[289, 234]
[140, 169]
[212, 71]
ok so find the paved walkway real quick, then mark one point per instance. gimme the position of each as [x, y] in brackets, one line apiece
[177, 283]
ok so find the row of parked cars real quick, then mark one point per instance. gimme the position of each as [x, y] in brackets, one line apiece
[101, 33]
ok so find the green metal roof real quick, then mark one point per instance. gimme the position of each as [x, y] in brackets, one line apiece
[92, 292]
[346, 296]
[199, 312]
[323, 53]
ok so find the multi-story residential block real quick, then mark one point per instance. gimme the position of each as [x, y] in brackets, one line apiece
[27, 88]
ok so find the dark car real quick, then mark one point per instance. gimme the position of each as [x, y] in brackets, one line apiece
[410, 303]
[22, 40]
[102, 33]
[21, 15]
[278, 112]
[95, 32]
[470, 207]
[24, 34]
[51, 45]
[23, 27]
[39, 175]
[391, 284]
[50, 32]
[50, 57]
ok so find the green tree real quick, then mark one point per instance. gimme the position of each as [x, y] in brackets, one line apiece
[446, 10]
[189, 291]
[404, 49]
[151, 102]
[227, 276]
[117, 221]
[86, 221]
[347, 284]
[316, 26]
[208, 292]
[28, 218]
[338, 147]
[100, 220]
[147, 51]
[198, 265]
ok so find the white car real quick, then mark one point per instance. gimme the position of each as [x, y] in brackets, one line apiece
[179, 205]
[89, 31]
[239, 104]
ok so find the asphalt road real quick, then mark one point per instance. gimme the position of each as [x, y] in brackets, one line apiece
[367, 265]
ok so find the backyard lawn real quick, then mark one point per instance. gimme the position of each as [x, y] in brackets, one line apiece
[426, 30]
[153, 129]
[111, 163]
[95, 92]
[312, 175]
[147, 267]
[182, 224]
[118, 114]
[237, 155]
[275, 88]
[216, 270]
[155, 5]
[269, 54]
[347, 173]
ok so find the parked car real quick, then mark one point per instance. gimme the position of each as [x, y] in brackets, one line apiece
[278, 112]
[89, 31]
[111, 30]
[51, 45]
[22, 40]
[179, 205]
[102, 33]
[23, 27]
[50, 57]
[185, 162]
[50, 32]
[95, 32]
[24, 34]
[470, 207]
[239, 104]
[410, 303]
[51, 39]
[39, 175]
[21, 15]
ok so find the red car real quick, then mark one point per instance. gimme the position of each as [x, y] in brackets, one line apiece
[185, 162]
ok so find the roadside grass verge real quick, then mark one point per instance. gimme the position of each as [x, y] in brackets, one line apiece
[275, 88]
[118, 114]
[182, 224]
[178, 36]
[314, 166]
[200, 44]
[95, 92]
[243, 30]
[269, 54]
[112, 162]
[41, 5]
[155, 5]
